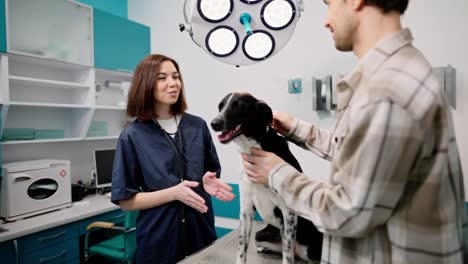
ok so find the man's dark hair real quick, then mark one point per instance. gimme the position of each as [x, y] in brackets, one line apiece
[389, 5]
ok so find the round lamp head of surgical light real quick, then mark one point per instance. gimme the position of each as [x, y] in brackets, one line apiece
[241, 32]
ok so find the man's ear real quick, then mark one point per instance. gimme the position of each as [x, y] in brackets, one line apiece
[357, 5]
[265, 112]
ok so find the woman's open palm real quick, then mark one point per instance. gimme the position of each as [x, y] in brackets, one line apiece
[216, 187]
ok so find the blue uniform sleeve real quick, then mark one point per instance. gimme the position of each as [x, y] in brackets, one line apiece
[211, 156]
[126, 174]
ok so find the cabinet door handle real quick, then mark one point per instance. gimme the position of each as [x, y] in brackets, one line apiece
[52, 236]
[42, 260]
[20, 177]
[15, 244]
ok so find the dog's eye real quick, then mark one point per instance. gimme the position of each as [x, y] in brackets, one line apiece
[220, 106]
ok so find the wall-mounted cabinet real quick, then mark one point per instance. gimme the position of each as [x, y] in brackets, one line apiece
[59, 30]
[54, 101]
[119, 44]
[2, 27]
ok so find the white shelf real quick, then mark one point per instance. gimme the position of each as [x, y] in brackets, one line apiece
[121, 75]
[48, 105]
[43, 82]
[109, 107]
[43, 94]
[43, 61]
[35, 141]
[101, 138]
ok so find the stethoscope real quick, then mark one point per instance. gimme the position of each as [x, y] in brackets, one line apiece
[178, 151]
[181, 164]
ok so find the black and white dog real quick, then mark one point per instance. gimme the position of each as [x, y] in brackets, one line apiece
[247, 121]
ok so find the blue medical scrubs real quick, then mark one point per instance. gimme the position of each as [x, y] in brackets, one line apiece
[147, 160]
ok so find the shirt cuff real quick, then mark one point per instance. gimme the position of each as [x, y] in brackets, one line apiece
[293, 128]
[278, 174]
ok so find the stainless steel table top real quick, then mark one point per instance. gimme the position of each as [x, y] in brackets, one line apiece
[224, 251]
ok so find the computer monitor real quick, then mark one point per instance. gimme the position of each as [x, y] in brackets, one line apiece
[104, 162]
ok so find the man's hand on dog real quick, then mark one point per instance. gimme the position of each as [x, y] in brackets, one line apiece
[216, 187]
[282, 122]
[259, 164]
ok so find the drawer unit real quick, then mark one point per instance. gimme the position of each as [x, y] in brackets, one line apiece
[9, 252]
[62, 252]
[117, 216]
[49, 237]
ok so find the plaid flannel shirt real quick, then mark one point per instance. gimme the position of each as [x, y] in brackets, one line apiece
[395, 193]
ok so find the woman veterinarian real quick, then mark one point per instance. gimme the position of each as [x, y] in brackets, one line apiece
[166, 166]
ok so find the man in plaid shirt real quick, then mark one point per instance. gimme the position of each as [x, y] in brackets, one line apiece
[395, 193]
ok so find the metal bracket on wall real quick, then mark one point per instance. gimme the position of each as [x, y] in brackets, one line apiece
[448, 81]
[322, 94]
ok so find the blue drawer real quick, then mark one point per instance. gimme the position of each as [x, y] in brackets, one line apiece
[117, 216]
[63, 252]
[48, 237]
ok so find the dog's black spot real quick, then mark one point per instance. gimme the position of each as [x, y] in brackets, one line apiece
[278, 214]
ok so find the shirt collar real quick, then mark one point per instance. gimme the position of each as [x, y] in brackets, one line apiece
[374, 59]
[366, 67]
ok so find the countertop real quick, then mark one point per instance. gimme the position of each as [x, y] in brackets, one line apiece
[91, 205]
[224, 250]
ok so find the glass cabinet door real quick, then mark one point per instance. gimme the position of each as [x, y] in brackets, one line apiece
[60, 30]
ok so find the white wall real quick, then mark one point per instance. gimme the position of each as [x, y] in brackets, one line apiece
[436, 25]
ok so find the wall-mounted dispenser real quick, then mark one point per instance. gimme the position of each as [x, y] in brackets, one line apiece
[323, 97]
[448, 81]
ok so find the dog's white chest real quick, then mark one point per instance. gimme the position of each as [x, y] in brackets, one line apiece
[244, 144]
[263, 198]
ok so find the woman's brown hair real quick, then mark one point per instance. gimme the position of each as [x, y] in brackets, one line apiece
[141, 95]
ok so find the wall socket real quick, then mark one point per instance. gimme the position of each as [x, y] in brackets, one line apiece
[295, 86]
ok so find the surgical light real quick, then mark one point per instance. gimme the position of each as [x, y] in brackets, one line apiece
[241, 32]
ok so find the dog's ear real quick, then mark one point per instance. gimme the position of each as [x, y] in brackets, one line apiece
[265, 112]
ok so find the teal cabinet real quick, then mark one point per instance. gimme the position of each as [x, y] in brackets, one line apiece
[119, 44]
[9, 252]
[64, 252]
[49, 237]
[2, 27]
[59, 244]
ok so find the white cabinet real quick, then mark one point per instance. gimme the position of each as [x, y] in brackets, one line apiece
[60, 30]
[57, 101]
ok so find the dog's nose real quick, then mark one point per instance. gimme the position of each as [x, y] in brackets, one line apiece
[217, 124]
